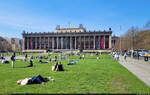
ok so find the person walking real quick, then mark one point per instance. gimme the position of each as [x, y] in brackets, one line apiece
[138, 56]
[13, 60]
[125, 56]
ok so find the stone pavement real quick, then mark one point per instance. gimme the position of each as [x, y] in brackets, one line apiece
[140, 68]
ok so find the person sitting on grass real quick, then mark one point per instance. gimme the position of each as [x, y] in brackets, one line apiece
[46, 57]
[80, 57]
[40, 57]
[55, 57]
[83, 56]
[55, 66]
[43, 61]
[97, 58]
[54, 60]
[31, 57]
[26, 57]
[35, 80]
[60, 67]
[30, 64]
[62, 57]
[1, 56]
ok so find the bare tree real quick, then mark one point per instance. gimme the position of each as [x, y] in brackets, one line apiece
[4, 45]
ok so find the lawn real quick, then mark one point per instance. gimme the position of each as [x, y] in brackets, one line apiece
[87, 76]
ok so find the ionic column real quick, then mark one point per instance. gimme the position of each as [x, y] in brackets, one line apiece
[66, 39]
[31, 42]
[52, 42]
[23, 44]
[99, 42]
[84, 42]
[62, 43]
[75, 42]
[57, 43]
[104, 42]
[70, 42]
[28, 43]
[94, 42]
[44, 42]
[79, 42]
[35, 42]
[40, 43]
[89, 42]
[48, 43]
[110, 44]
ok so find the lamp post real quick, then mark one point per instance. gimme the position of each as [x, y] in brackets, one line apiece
[120, 43]
[132, 41]
[120, 39]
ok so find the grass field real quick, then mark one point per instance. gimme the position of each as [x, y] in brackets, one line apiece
[87, 76]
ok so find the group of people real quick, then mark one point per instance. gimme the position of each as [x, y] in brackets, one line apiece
[58, 67]
[37, 79]
[36, 57]
[4, 61]
[116, 55]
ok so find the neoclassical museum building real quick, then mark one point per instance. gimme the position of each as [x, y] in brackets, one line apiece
[68, 39]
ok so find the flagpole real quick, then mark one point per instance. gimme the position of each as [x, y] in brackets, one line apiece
[69, 25]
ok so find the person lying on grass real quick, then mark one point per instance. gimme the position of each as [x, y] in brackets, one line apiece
[71, 62]
[30, 64]
[35, 80]
[43, 61]
[3, 61]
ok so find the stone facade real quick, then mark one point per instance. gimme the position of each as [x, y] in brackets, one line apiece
[64, 30]
[72, 40]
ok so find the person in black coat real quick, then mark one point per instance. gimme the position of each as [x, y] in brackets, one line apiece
[30, 64]
[13, 60]
[60, 67]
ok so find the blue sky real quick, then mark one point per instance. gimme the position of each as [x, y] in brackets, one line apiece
[44, 15]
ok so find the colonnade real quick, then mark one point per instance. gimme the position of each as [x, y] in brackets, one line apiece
[68, 42]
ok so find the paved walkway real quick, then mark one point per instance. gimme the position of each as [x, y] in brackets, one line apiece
[140, 68]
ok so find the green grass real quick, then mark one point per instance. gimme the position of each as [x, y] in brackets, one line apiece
[87, 76]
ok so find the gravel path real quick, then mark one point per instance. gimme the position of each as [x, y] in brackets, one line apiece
[140, 68]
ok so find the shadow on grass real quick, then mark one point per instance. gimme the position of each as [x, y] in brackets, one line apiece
[25, 67]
